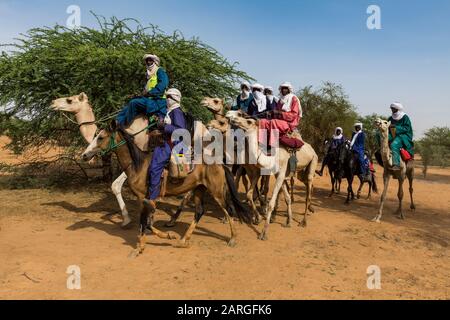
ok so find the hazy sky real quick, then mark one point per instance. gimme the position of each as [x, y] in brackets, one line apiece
[305, 42]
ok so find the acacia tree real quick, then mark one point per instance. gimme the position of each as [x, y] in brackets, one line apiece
[434, 148]
[325, 109]
[106, 63]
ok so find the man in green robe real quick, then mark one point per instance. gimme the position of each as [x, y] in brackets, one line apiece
[400, 135]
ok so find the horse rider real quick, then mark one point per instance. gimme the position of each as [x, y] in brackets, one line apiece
[175, 119]
[244, 99]
[400, 135]
[268, 92]
[285, 118]
[337, 140]
[153, 99]
[357, 145]
[260, 104]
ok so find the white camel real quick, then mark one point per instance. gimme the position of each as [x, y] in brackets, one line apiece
[79, 106]
[307, 161]
[407, 171]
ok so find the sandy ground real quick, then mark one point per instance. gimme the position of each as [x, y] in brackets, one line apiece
[43, 232]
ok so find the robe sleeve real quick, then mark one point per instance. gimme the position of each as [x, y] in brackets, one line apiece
[178, 122]
[404, 127]
[294, 114]
[161, 87]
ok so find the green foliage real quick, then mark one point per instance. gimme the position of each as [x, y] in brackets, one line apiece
[106, 63]
[324, 110]
[434, 147]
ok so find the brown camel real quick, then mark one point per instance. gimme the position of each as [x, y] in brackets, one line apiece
[215, 179]
[80, 106]
[221, 123]
[406, 172]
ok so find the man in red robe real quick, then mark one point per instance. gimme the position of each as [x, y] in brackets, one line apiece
[285, 118]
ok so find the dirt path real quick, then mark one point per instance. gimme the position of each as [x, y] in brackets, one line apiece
[44, 232]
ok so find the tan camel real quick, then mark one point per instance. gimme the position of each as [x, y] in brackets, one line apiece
[407, 171]
[79, 106]
[307, 161]
[215, 179]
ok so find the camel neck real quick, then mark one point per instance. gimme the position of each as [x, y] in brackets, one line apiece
[86, 120]
[385, 150]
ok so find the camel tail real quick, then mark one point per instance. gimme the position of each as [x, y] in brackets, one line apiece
[374, 183]
[243, 213]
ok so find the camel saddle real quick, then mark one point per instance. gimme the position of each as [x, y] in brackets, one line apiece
[292, 140]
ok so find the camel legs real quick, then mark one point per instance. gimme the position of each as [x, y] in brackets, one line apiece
[273, 201]
[117, 190]
[251, 200]
[386, 179]
[411, 189]
[400, 199]
[177, 214]
[308, 204]
[199, 212]
[288, 199]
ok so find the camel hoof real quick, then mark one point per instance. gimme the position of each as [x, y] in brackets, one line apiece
[134, 254]
[126, 222]
[413, 207]
[182, 245]
[223, 220]
[303, 224]
[311, 209]
[376, 220]
[287, 225]
[263, 237]
[171, 236]
[231, 243]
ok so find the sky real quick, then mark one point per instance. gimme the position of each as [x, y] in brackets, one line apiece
[305, 42]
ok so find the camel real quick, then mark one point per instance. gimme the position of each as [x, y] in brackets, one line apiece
[222, 124]
[406, 172]
[80, 106]
[307, 161]
[213, 178]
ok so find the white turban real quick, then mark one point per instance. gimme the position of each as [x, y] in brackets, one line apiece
[359, 124]
[399, 114]
[287, 85]
[258, 86]
[175, 94]
[398, 106]
[155, 58]
[246, 84]
[269, 89]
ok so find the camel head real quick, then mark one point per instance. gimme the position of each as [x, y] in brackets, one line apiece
[241, 122]
[221, 125]
[100, 143]
[215, 105]
[383, 126]
[72, 104]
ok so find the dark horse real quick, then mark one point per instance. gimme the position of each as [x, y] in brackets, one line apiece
[332, 159]
[348, 167]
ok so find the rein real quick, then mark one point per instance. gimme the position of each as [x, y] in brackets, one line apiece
[112, 146]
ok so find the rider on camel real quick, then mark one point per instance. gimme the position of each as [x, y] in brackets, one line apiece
[285, 118]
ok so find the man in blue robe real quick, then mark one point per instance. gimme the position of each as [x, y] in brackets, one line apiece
[153, 99]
